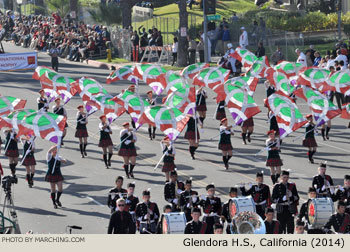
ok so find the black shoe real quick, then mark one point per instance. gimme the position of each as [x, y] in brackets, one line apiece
[109, 163]
[248, 138]
[55, 206]
[311, 161]
[58, 203]
[85, 153]
[327, 137]
[226, 166]
[62, 144]
[244, 142]
[131, 175]
[127, 175]
[193, 158]
[154, 135]
[82, 155]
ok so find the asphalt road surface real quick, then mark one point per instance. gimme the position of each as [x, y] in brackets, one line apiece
[87, 181]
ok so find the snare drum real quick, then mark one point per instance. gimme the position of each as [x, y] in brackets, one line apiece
[319, 211]
[241, 204]
[174, 223]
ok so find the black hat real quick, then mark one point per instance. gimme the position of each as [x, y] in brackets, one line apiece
[146, 193]
[173, 173]
[196, 210]
[188, 181]
[269, 210]
[131, 184]
[233, 189]
[300, 223]
[286, 173]
[167, 206]
[341, 203]
[323, 165]
[347, 177]
[218, 226]
[119, 177]
[210, 186]
[260, 174]
[312, 189]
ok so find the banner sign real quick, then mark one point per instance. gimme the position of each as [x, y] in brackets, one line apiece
[18, 61]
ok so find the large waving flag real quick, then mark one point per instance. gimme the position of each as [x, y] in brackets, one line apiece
[247, 82]
[288, 116]
[281, 81]
[289, 68]
[322, 108]
[259, 67]
[212, 77]
[87, 87]
[153, 75]
[108, 107]
[9, 104]
[191, 71]
[245, 56]
[345, 111]
[15, 118]
[122, 73]
[40, 71]
[171, 121]
[339, 82]
[314, 77]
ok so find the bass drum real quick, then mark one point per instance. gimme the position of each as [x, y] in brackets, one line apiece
[242, 204]
[319, 211]
[174, 223]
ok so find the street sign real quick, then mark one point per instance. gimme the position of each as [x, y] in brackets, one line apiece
[213, 17]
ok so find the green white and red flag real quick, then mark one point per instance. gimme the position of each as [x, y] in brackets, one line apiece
[212, 77]
[122, 73]
[281, 81]
[245, 56]
[13, 120]
[153, 75]
[289, 68]
[314, 77]
[259, 67]
[9, 104]
[191, 71]
[345, 113]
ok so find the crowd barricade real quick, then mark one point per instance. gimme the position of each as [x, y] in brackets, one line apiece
[155, 53]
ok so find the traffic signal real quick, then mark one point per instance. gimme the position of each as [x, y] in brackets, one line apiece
[210, 7]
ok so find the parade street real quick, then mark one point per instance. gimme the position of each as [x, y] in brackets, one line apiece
[87, 181]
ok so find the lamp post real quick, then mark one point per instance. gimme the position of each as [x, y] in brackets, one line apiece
[20, 2]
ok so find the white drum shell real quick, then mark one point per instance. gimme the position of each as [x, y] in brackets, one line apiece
[176, 222]
[242, 204]
[324, 208]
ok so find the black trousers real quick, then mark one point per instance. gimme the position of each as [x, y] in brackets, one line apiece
[286, 220]
[260, 210]
[54, 63]
[211, 220]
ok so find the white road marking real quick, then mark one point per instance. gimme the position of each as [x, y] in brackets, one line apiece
[95, 201]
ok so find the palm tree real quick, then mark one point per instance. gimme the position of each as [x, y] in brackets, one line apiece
[107, 14]
[60, 6]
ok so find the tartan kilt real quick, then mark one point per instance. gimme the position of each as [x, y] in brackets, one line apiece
[53, 178]
[127, 152]
[192, 135]
[12, 153]
[248, 123]
[309, 142]
[220, 115]
[80, 133]
[225, 147]
[29, 161]
[168, 166]
[274, 162]
[105, 143]
[201, 108]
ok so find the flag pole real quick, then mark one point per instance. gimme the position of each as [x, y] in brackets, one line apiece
[297, 138]
[58, 150]
[160, 160]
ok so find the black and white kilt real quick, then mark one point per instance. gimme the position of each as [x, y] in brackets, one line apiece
[53, 178]
[12, 153]
[192, 135]
[220, 115]
[127, 152]
[105, 143]
[28, 161]
[309, 142]
[168, 166]
[201, 108]
[272, 162]
[225, 147]
[80, 133]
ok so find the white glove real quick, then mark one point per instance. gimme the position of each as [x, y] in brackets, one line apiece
[188, 205]
[250, 185]
[28, 151]
[203, 197]
[179, 191]
[194, 198]
[127, 142]
[332, 190]
[323, 188]
[341, 188]
[284, 198]
[175, 201]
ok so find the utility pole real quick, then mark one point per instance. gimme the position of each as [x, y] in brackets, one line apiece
[339, 18]
[205, 24]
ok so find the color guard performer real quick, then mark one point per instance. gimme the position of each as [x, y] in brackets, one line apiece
[105, 140]
[29, 159]
[247, 130]
[220, 111]
[225, 142]
[339, 221]
[147, 214]
[131, 201]
[211, 208]
[11, 147]
[260, 193]
[58, 109]
[188, 199]
[225, 215]
[325, 129]
[201, 105]
[42, 101]
[272, 226]
[343, 193]
[286, 196]
[310, 141]
[81, 130]
[54, 175]
[149, 99]
[190, 135]
[172, 191]
[169, 150]
[273, 157]
[116, 193]
[322, 182]
[195, 226]
[127, 149]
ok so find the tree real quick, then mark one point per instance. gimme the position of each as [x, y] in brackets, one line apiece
[183, 43]
[126, 6]
[60, 6]
[107, 14]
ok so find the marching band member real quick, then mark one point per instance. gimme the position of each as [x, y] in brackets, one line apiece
[29, 159]
[120, 221]
[54, 175]
[286, 196]
[188, 199]
[127, 149]
[147, 214]
[299, 227]
[272, 226]
[339, 221]
[81, 130]
[273, 157]
[116, 193]
[195, 226]
[152, 102]
[220, 111]
[201, 105]
[247, 129]
[321, 181]
[211, 208]
[303, 212]
[105, 140]
[225, 215]
[11, 147]
[169, 151]
[130, 205]
[260, 193]
[172, 191]
[42, 101]
[58, 109]
[225, 142]
[310, 140]
[166, 209]
[343, 193]
[190, 135]
[218, 228]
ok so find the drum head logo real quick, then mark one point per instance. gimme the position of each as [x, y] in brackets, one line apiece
[311, 213]
[31, 60]
[233, 210]
[165, 226]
